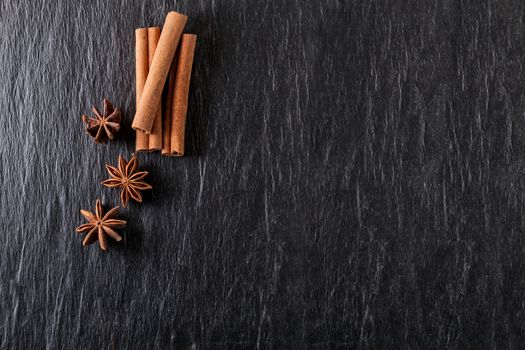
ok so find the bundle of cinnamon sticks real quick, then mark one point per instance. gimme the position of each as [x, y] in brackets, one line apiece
[163, 62]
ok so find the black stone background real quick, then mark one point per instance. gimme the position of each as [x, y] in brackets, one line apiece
[354, 178]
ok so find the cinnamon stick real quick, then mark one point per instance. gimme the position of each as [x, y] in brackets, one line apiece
[180, 93]
[158, 72]
[141, 73]
[155, 138]
[166, 122]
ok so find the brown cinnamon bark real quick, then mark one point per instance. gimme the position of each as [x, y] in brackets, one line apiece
[155, 138]
[180, 93]
[167, 111]
[158, 72]
[141, 74]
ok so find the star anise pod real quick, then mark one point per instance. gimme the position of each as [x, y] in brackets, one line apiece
[100, 225]
[128, 179]
[103, 127]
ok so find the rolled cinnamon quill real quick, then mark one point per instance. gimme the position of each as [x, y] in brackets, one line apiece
[155, 137]
[146, 44]
[166, 111]
[180, 94]
[158, 72]
[141, 73]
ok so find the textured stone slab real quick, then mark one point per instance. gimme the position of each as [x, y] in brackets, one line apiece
[354, 178]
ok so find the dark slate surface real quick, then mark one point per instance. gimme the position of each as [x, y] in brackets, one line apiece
[354, 178]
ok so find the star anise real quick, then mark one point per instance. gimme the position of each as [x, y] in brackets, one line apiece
[103, 127]
[100, 225]
[128, 179]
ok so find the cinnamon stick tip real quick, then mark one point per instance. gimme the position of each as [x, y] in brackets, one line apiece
[154, 29]
[190, 39]
[175, 13]
[173, 154]
[141, 129]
